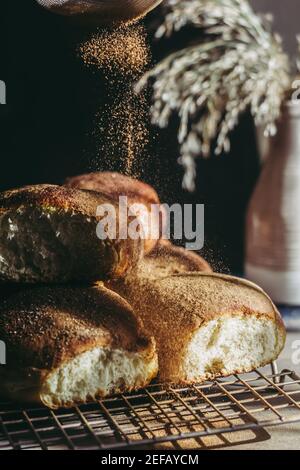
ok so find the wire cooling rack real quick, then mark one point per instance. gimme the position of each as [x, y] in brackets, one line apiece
[158, 415]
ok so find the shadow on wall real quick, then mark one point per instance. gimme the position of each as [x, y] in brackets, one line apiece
[286, 19]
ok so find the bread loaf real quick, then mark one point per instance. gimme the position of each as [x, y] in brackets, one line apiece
[72, 345]
[48, 234]
[115, 185]
[205, 325]
[167, 259]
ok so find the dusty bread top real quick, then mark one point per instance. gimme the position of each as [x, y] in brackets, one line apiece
[167, 259]
[50, 197]
[113, 185]
[205, 296]
[174, 307]
[44, 327]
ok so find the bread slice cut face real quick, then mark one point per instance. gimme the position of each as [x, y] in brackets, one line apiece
[67, 346]
[206, 325]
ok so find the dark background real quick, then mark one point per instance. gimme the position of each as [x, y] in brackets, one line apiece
[45, 128]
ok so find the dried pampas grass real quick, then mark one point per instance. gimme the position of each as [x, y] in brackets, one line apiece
[238, 64]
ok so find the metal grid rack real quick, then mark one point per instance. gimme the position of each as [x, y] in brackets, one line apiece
[158, 415]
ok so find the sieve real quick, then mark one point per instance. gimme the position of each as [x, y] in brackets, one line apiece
[101, 11]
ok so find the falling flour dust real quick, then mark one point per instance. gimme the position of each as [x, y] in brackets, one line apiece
[121, 54]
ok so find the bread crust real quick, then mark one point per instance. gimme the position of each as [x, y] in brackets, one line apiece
[114, 185]
[177, 259]
[165, 260]
[174, 307]
[115, 257]
[44, 328]
[53, 197]
[53, 325]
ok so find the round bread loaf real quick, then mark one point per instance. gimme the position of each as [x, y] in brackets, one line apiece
[72, 345]
[48, 234]
[205, 325]
[115, 185]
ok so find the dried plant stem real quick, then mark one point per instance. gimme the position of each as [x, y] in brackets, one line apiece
[238, 64]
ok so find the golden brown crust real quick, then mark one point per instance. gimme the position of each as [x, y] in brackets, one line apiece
[44, 327]
[173, 308]
[54, 197]
[175, 260]
[222, 294]
[113, 185]
[166, 260]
